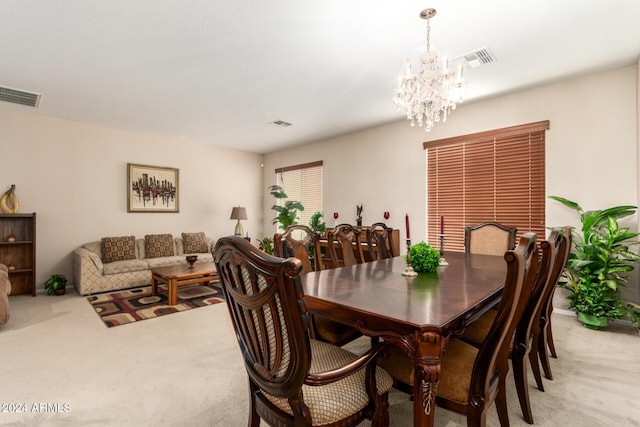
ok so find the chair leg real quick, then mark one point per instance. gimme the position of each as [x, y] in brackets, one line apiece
[518, 360]
[547, 330]
[501, 404]
[535, 365]
[254, 418]
[549, 339]
[381, 413]
[543, 356]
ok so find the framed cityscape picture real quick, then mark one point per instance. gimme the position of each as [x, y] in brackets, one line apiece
[152, 189]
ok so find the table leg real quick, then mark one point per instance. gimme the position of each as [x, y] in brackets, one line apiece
[154, 284]
[172, 290]
[427, 376]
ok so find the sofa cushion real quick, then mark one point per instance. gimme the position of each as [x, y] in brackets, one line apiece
[127, 266]
[118, 248]
[194, 243]
[158, 245]
[166, 261]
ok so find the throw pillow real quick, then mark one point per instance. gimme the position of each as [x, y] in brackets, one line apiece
[158, 245]
[118, 248]
[194, 243]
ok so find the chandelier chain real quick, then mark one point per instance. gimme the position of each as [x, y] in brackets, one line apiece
[428, 34]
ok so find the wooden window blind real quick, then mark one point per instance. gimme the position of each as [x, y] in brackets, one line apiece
[303, 183]
[496, 175]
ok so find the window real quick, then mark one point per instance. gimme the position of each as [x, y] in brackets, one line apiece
[489, 176]
[303, 183]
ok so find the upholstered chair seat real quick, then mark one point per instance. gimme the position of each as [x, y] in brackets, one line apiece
[325, 408]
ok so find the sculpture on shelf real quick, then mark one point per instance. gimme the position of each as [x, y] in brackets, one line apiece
[9, 202]
[359, 217]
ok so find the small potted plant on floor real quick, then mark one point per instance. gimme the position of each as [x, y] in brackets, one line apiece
[56, 284]
[599, 264]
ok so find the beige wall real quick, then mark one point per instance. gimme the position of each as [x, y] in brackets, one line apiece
[73, 175]
[591, 152]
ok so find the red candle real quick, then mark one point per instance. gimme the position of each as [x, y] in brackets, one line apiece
[441, 224]
[406, 219]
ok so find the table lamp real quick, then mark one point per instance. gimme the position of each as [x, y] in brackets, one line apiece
[238, 213]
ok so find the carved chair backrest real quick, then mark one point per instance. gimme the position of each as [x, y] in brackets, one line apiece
[379, 237]
[562, 255]
[265, 300]
[345, 248]
[492, 360]
[531, 306]
[301, 242]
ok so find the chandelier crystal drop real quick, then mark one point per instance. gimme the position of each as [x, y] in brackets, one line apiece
[434, 91]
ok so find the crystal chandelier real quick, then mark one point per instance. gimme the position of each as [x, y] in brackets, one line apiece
[434, 91]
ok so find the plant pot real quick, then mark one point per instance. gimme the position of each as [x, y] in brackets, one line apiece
[59, 291]
[592, 322]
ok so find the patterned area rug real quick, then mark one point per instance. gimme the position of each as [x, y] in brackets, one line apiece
[120, 308]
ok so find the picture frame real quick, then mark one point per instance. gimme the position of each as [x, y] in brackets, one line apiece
[152, 188]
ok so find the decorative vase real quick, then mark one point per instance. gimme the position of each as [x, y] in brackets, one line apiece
[591, 321]
[191, 259]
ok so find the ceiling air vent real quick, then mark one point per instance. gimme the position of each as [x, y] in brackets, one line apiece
[281, 123]
[478, 57]
[21, 97]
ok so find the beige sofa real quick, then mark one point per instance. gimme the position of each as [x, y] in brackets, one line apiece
[115, 263]
[5, 290]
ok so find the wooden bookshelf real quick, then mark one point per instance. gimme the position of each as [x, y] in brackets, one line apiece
[19, 255]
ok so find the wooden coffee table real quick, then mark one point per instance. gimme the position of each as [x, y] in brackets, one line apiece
[180, 275]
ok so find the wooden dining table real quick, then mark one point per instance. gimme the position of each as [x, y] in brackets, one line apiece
[418, 314]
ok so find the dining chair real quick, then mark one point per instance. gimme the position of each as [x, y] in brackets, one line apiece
[472, 378]
[301, 242]
[489, 238]
[544, 335]
[379, 238]
[526, 337]
[345, 247]
[293, 379]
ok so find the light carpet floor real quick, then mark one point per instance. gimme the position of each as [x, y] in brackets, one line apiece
[62, 367]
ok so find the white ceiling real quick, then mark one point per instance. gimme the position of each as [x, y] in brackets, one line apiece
[220, 72]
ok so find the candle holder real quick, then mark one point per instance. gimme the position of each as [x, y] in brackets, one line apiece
[442, 260]
[408, 271]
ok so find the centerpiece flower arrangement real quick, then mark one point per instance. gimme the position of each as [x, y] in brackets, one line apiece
[424, 258]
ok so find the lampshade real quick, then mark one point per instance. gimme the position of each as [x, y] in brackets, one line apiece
[238, 213]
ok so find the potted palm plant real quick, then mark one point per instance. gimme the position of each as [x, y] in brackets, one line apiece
[288, 211]
[599, 264]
